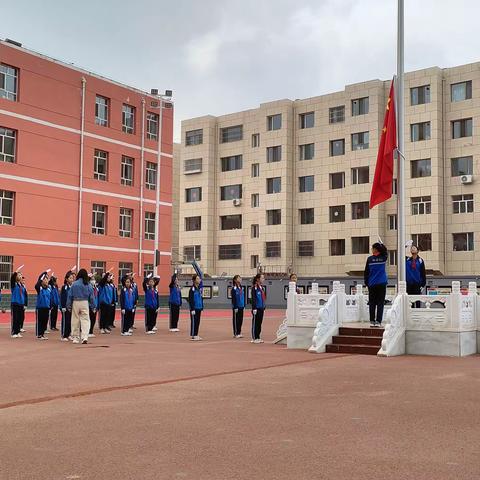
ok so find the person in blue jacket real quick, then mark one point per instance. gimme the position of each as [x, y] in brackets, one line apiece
[66, 325]
[174, 303]
[92, 312]
[375, 278]
[195, 302]
[415, 271]
[44, 303]
[258, 307]
[55, 303]
[19, 302]
[108, 297]
[135, 289]
[238, 306]
[127, 304]
[151, 303]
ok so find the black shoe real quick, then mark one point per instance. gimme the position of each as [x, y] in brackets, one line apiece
[112, 326]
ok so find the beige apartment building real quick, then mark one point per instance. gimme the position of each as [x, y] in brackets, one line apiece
[286, 186]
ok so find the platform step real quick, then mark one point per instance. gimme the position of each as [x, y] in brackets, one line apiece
[357, 340]
[361, 331]
[355, 349]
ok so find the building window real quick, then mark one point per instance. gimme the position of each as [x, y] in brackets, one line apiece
[99, 219]
[423, 241]
[462, 128]
[100, 165]
[307, 216]
[255, 170]
[420, 131]
[255, 140]
[307, 151]
[8, 82]
[360, 106]
[461, 91]
[128, 118]
[273, 249]
[360, 210]
[231, 134]
[192, 252]
[124, 268]
[126, 177]
[360, 141]
[234, 162]
[274, 122]
[337, 213]
[6, 270]
[147, 269]
[274, 185]
[307, 120]
[462, 166]
[255, 200]
[337, 180]
[360, 175]
[194, 137]
[421, 205]
[306, 248]
[125, 225]
[7, 200]
[231, 222]
[152, 126]
[151, 176]
[255, 230]
[192, 165]
[336, 114]
[274, 154]
[462, 203]
[230, 192]
[337, 147]
[394, 186]
[420, 95]
[102, 105]
[98, 268]
[230, 252]
[306, 184]
[7, 145]
[421, 168]
[193, 194]
[254, 261]
[360, 245]
[150, 225]
[392, 257]
[274, 217]
[193, 224]
[463, 242]
[392, 222]
[337, 247]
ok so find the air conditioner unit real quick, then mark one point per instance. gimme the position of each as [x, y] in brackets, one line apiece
[465, 179]
[237, 202]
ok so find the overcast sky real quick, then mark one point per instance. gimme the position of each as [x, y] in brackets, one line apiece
[224, 56]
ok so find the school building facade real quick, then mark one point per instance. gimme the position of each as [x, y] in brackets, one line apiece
[85, 171]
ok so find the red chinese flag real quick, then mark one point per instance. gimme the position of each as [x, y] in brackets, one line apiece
[382, 182]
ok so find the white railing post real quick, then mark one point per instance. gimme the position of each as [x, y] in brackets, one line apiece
[315, 288]
[362, 305]
[292, 303]
[455, 306]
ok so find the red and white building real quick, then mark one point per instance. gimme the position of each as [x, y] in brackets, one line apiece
[82, 180]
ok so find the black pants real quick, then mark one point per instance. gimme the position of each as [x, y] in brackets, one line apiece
[257, 319]
[93, 319]
[111, 315]
[195, 323]
[17, 317]
[127, 320]
[41, 323]
[174, 314]
[53, 317]
[376, 302]
[66, 328]
[414, 289]
[237, 321]
[150, 318]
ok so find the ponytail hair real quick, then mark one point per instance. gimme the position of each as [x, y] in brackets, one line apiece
[256, 278]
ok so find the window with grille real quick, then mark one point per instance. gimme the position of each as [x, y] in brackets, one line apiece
[360, 175]
[193, 224]
[360, 106]
[360, 141]
[274, 217]
[193, 194]
[360, 210]
[194, 137]
[152, 126]
[255, 230]
[100, 165]
[230, 222]
[255, 200]
[463, 242]
[124, 268]
[421, 205]
[462, 166]
[254, 260]
[151, 176]
[337, 147]
[7, 203]
[255, 140]
[392, 257]
[149, 225]
[305, 248]
[392, 222]
[8, 138]
[98, 267]
[337, 180]
[147, 269]
[337, 247]
[306, 184]
[8, 82]
[128, 118]
[102, 105]
[127, 171]
[230, 192]
[99, 219]
[231, 134]
[255, 170]
[192, 165]
[337, 213]
[394, 186]
[461, 91]
[462, 128]
[462, 203]
[274, 122]
[336, 114]
[307, 151]
[192, 252]
[360, 245]
[234, 162]
[125, 223]
[273, 249]
[420, 131]
[307, 120]
[274, 185]
[420, 95]
[421, 168]
[423, 241]
[274, 154]
[230, 252]
[307, 216]
[6, 271]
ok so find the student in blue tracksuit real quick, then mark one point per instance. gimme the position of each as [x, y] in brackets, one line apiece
[375, 278]
[55, 303]
[238, 306]
[19, 302]
[151, 303]
[92, 312]
[135, 289]
[44, 303]
[107, 293]
[127, 304]
[174, 303]
[258, 307]
[195, 301]
[66, 326]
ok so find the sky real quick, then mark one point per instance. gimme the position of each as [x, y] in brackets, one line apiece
[225, 56]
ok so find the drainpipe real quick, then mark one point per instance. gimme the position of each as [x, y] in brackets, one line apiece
[157, 196]
[80, 182]
[444, 164]
[142, 173]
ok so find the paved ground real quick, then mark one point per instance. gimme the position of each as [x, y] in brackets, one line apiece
[161, 407]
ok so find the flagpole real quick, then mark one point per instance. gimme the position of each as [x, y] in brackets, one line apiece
[400, 108]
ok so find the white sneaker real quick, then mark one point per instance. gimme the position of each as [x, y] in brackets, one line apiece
[173, 329]
[22, 330]
[70, 338]
[91, 335]
[63, 339]
[108, 331]
[15, 335]
[197, 338]
[130, 330]
[256, 341]
[75, 340]
[47, 332]
[84, 341]
[102, 331]
[155, 329]
[238, 336]
[42, 338]
[260, 340]
[126, 334]
[150, 332]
